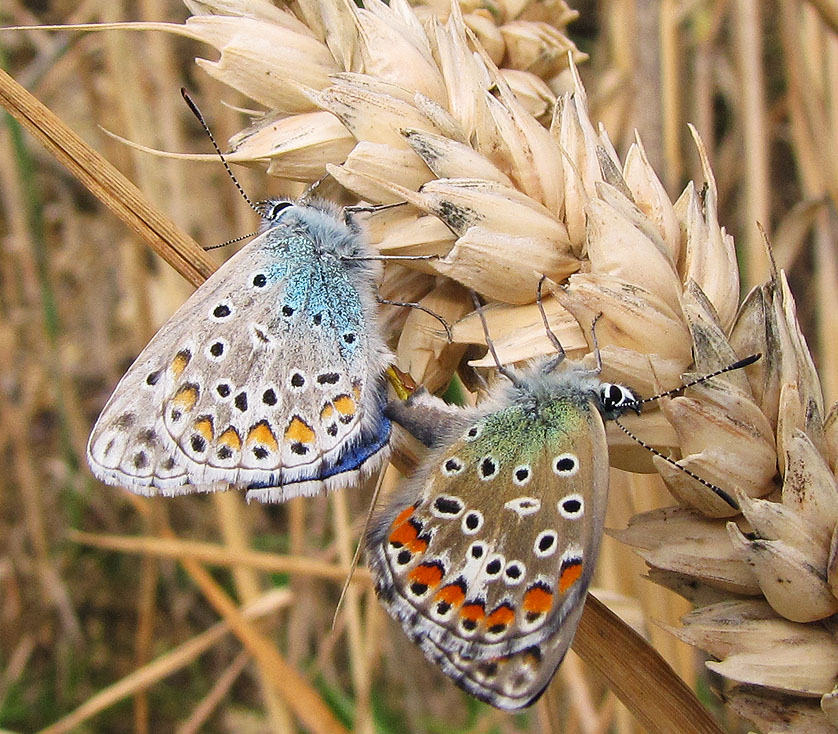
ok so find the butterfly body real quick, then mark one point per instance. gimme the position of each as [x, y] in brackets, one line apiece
[486, 555]
[268, 378]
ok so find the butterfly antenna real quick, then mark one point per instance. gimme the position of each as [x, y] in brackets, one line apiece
[508, 374]
[197, 113]
[718, 491]
[420, 307]
[554, 340]
[231, 242]
[357, 555]
[738, 365]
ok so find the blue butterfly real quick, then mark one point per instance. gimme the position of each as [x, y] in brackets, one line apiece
[269, 378]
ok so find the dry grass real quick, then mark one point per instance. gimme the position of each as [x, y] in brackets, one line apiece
[109, 615]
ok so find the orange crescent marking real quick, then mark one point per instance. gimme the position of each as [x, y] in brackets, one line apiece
[427, 574]
[570, 575]
[345, 405]
[474, 612]
[504, 615]
[538, 600]
[452, 594]
[404, 534]
[261, 433]
[186, 397]
[299, 430]
[231, 438]
[179, 364]
[204, 427]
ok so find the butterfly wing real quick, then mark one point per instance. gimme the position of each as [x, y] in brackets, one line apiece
[486, 556]
[268, 378]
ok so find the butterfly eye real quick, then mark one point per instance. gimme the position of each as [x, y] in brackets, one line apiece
[615, 397]
[274, 208]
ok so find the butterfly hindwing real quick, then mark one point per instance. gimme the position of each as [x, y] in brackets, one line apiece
[268, 378]
[486, 555]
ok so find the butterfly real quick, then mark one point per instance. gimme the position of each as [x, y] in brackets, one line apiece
[268, 378]
[486, 553]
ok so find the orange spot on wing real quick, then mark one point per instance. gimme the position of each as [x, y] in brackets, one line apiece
[299, 430]
[179, 363]
[231, 438]
[356, 391]
[261, 433]
[427, 574]
[474, 611]
[404, 534]
[452, 594]
[345, 405]
[503, 615]
[204, 427]
[538, 600]
[186, 397]
[327, 411]
[401, 518]
[571, 571]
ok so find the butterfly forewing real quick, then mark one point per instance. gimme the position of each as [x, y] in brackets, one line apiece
[267, 378]
[489, 551]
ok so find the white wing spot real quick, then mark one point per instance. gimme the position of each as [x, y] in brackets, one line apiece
[472, 522]
[522, 474]
[216, 350]
[447, 507]
[296, 380]
[487, 468]
[260, 335]
[514, 573]
[473, 433]
[524, 506]
[545, 543]
[566, 465]
[452, 466]
[495, 566]
[221, 311]
[572, 507]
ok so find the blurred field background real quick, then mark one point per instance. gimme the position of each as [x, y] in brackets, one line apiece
[104, 626]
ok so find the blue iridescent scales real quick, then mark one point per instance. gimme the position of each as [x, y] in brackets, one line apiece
[269, 378]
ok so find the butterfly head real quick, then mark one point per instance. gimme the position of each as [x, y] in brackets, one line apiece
[541, 383]
[614, 400]
[317, 221]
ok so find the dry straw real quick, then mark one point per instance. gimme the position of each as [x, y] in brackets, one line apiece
[476, 117]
